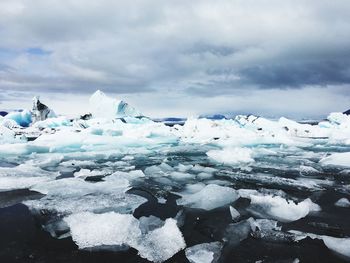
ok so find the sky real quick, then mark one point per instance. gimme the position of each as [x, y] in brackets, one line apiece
[178, 58]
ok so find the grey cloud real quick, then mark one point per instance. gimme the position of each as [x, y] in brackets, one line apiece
[199, 48]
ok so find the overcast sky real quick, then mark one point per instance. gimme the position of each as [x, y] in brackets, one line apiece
[178, 58]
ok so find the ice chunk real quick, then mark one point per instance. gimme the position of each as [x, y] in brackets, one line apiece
[210, 197]
[307, 170]
[97, 202]
[52, 122]
[12, 183]
[104, 107]
[204, 253]
[338, 118]
[343, 202]
[340, 159]
[76, 186]
[162, 243]
[23, 176]
[40, 111]
[237, 232]
[179, 176]
[7, 135]
[22, 118]
[268, 230]
[83, 173]
[232, 156]
[336, 244]
[281, 209]
[234, 213]
[108, 229]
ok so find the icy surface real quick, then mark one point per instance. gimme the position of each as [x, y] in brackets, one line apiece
[115, 165]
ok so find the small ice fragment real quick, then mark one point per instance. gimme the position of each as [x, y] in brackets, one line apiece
[234, 213]
[343, 202]
[204, 253]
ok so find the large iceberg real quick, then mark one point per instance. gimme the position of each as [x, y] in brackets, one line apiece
[105, 107]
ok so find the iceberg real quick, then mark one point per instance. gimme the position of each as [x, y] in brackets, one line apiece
[22, 118]
[40, 111]
[102, 106]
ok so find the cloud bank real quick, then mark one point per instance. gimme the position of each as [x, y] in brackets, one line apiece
[180, 57]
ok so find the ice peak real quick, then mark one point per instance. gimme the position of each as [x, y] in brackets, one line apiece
[103, 106]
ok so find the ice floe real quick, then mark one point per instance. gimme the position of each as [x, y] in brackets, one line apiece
[281, 209]
[109, 229]
[204, 253]
[231, 156]
[210, 197]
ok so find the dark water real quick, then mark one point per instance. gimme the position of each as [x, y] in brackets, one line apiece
[22, 238]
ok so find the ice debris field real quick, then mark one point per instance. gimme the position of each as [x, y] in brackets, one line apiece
[246, 189]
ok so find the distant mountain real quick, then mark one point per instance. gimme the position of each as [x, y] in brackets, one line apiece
[213, 117]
